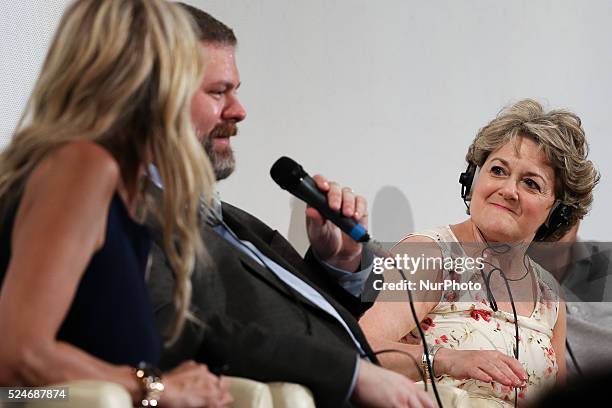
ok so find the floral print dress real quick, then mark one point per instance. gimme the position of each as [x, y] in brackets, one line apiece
[465, 321]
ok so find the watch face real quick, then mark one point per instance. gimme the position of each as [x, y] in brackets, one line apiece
[149, 369]
[152, 386]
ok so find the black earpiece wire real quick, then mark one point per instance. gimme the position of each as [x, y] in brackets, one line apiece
[492, 300]
[424, 340]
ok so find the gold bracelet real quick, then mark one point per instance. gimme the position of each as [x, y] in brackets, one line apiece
[431, 353]
[152, 386]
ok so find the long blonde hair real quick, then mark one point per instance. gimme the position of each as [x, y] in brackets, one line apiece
[122, 73]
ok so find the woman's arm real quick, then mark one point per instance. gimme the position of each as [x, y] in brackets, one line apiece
[390, 318]
[60, 223]
[384, 325]
[387, 322]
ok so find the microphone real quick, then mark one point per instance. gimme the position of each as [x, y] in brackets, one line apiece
[291, 176]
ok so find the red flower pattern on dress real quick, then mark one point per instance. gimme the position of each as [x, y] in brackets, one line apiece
[450, 296]
[427, 323]
[477, 314]
[544, 361]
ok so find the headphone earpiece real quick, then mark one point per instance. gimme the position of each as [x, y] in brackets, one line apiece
[560, 216]
[466, 179]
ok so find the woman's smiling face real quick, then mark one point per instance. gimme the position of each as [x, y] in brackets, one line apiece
[514, 192]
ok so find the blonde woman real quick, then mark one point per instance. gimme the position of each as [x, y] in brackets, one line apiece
[534, 183]
[113, 97]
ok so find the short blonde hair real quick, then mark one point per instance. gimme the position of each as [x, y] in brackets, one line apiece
[560, 135]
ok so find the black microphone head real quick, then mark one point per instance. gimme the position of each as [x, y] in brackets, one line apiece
[287, 173]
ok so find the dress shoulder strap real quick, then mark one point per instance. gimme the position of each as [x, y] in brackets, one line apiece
[549, 292]
[445, 239]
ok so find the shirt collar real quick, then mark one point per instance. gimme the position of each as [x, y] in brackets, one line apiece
[213, 214]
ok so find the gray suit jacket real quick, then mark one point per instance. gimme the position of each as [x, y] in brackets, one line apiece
[255, 326]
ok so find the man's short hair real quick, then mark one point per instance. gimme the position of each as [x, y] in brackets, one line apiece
[211, 29]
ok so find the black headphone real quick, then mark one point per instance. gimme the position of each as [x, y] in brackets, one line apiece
[466, 179]
[560, 216]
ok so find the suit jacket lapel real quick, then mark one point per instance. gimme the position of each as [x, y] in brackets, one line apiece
[245, 234]
[272, 251]
[278, 245]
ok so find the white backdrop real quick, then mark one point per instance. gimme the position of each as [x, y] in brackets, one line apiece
[26, 29]
[384, 96]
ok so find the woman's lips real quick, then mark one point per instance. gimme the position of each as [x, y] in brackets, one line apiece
[502, 207]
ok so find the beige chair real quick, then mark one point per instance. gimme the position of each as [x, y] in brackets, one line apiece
[247, 394]
[453, 397]
[289, 395]
[95, 394]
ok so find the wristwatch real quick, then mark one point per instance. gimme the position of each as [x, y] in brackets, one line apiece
[431, 353]
[152, 386]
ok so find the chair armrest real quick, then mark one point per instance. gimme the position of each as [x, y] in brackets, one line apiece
[289, 395]
[91, 394]
[249, 393]
[452, 397]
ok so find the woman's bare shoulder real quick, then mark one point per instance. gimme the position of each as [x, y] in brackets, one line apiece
[417, 238]
[83, 156]
[78, 165]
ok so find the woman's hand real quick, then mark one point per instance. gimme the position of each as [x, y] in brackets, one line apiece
[378, 387]
[192, 385]
[483, 365]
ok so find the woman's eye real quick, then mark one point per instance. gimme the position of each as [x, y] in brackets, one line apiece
[498, 171]
[532, 184]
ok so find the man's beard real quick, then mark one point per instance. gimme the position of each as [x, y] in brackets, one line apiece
[223, 162]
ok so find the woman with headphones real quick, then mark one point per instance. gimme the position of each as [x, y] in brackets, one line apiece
[528, 179]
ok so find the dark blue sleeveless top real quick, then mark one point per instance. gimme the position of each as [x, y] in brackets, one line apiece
[111, 316]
